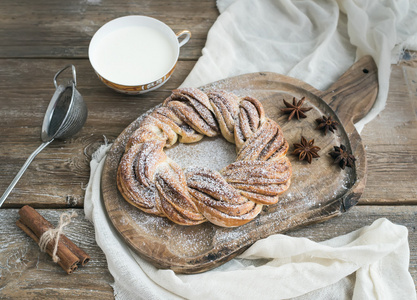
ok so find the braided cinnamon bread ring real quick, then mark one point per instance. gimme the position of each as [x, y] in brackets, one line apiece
[152, 182]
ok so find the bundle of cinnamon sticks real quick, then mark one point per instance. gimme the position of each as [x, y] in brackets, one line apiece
[34, 225]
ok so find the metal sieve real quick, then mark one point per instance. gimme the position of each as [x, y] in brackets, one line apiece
[65, 116]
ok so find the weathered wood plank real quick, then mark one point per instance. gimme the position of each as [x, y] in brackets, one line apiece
[48, 28]
[391, 142]
[25, 272]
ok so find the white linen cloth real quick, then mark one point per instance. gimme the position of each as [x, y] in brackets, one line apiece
[370, 263]
[314, 41]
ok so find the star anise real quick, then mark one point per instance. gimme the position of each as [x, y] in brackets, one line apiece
[342, 157]
[295, 109]
[326, 124]
[306, 150]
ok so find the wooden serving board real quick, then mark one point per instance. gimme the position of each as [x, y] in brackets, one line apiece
[318, 192]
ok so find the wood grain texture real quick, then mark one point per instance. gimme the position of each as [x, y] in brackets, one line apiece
[48, 28]
[391, 141]
[318, 192]
[360, 82]
[27, 273]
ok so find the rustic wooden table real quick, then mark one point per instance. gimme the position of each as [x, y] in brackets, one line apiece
[37, 38]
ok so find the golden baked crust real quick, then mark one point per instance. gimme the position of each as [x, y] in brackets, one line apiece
[152, 182]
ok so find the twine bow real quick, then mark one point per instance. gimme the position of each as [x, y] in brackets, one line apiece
[54, 234]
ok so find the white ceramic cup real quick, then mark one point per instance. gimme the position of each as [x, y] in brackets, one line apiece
[135, 54]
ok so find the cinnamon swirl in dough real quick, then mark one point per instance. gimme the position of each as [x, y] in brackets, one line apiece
[152, 182]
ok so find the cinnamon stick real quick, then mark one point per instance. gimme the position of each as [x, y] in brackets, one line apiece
[83, 257]
[34, 225]
[64, 265]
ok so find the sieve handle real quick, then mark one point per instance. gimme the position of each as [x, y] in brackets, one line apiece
[74, 75]
[22, 170]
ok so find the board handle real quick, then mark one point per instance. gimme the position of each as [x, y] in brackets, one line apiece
[354, 93]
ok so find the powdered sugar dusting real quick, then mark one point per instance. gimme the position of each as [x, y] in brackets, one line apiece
[213, 153]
